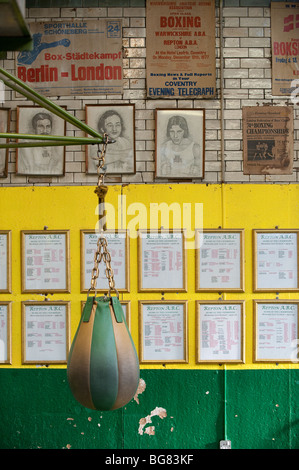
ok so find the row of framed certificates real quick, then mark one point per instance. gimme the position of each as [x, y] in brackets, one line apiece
[162, 260]
[163, 331]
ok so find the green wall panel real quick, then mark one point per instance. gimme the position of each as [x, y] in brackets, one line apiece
[188, 407]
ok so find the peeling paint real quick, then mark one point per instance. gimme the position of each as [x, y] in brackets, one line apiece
[140, 389]
[150, 430]
[161, 412]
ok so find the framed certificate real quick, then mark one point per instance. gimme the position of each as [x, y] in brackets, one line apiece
[275, 260]
[45, 332]
[5, 332]
[220, 331]
[119, 248]
[162, 261]
[276, 330]
[163, 331]
[5, 261]
[219, 260]
[45, 261]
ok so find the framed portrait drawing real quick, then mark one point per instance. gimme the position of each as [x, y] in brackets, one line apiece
[40, 161]
[180, 143]
[118, 121]
[5, 261]
[5, 332]
[45, 261]
[4, 127]
[275, 260]
[220, 331]
[45, 332]
[163, 327]
[220, 260]
[276, 330]
[118, 245]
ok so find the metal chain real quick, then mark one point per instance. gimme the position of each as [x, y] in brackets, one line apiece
[102, 252]
[101, 170]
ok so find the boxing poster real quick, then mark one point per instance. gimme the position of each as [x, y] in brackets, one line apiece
[73, 57]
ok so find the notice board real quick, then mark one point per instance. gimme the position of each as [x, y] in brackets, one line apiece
[180, 49]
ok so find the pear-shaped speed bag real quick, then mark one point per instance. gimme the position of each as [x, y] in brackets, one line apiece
[103, 368]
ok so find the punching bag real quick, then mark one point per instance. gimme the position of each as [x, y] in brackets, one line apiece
[103, 367]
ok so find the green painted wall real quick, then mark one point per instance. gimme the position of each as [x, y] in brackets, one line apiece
[38, 411]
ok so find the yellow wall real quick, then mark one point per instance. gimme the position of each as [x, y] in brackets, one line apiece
[74, 208]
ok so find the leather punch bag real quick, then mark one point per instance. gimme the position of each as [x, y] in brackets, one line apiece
[103, 367]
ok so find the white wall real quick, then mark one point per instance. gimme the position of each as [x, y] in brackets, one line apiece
[247, 82]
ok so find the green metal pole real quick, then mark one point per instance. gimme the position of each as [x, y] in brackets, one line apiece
[46, 140]
[16, 145]
[46, 103]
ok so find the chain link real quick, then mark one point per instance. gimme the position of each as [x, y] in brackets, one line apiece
[102, 252]
[101, 170]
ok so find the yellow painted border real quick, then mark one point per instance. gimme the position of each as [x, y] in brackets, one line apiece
[74, 208]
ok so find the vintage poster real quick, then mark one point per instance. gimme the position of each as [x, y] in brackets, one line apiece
[285, 47]
[268, 140]
[276, 327]
[180, 49]
[74, 57]
[220, 332]
[163, 331]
